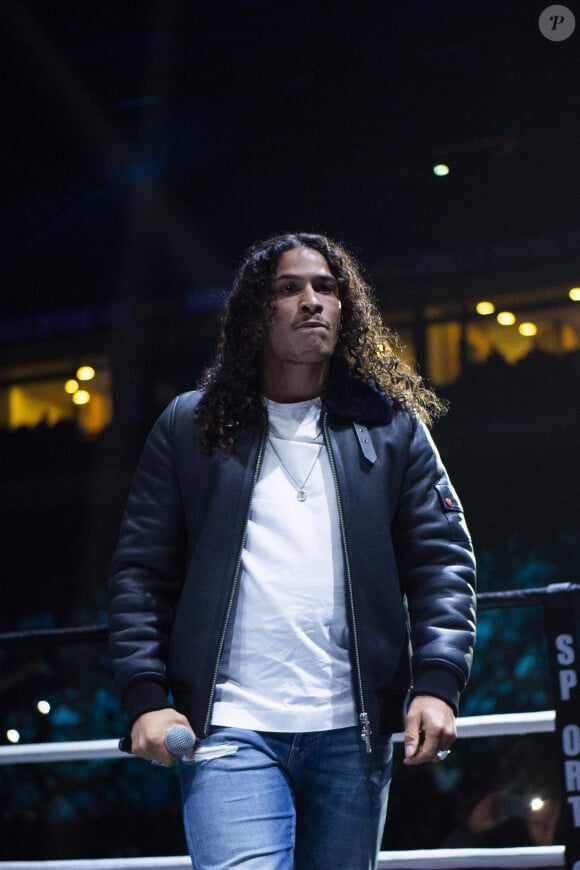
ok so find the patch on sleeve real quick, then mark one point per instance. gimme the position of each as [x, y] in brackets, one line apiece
[453, 511]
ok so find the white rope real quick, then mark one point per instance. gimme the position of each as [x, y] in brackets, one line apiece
[448, 859]
[77, 750]
[101, 864]
[467, 726]
[419, 859]
[502, 724]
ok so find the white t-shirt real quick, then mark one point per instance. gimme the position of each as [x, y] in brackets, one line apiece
[285, 664]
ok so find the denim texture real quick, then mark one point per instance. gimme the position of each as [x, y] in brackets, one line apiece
[310, 801]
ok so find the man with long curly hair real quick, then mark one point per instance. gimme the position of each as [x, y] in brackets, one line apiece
[294, 579]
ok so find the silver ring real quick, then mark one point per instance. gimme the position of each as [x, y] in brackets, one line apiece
[442, 754]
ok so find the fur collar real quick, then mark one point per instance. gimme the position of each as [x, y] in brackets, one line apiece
[348, 397]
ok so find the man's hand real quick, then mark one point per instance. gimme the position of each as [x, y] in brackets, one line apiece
[148, 735]
[430, 729]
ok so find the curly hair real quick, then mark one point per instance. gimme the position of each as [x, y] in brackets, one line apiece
[231, 384]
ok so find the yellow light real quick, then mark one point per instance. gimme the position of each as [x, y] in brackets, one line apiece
[536, 804]
[12, 735]
[71, 386]
[43, 707]
[81, 397]
[484, 308]
[574, 294]
[85, 373]
[527, 329]
[441, 169]
[506, 318]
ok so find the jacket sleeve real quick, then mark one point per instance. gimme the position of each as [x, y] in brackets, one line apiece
[147, 573]
[437, 572]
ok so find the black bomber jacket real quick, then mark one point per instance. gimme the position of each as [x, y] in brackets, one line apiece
[409, 564]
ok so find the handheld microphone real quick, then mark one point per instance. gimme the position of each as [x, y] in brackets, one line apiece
[179, 740]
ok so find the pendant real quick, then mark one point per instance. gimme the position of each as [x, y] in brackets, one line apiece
[301, 495]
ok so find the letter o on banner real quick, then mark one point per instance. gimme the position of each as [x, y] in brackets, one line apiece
[571, 741]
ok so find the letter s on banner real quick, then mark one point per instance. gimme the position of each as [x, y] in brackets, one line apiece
[565, 646]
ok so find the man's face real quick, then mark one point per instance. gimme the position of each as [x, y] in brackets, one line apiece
[302, 320]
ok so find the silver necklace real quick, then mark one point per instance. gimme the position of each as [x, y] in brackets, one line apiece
[300, 487]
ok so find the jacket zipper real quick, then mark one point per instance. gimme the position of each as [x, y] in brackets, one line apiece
[363, 715]
[235, 580]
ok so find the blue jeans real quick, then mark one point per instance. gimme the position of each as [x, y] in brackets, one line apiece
[313, 801]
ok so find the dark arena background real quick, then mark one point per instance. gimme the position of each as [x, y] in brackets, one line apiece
[145, 145]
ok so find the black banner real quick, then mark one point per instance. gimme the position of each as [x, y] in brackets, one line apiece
[562, 636]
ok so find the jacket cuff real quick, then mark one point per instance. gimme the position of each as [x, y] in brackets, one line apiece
[144, 696]
[439, 682]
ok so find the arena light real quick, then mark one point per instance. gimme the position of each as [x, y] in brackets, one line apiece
[12, 735]
[528, 328]
[536, 804]
[441, 169]
[43, 707]
[71, 386]
[506, 318]
[85, 373]
[81, 397]
[574, 294]
[485, 308]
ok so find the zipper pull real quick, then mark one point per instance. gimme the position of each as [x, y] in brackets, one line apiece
[366, 731]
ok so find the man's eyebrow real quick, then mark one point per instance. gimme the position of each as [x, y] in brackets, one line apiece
[303, 277]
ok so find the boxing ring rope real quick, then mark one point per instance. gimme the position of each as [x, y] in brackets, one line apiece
[558, 601]
[93, 750]
[99, 633]
[421, 859]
